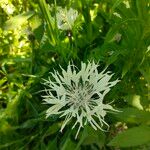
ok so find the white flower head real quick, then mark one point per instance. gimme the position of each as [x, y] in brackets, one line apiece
[66, 18]
[78, 95]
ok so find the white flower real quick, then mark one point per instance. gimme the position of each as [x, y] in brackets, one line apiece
[66, 18]
[78, 95]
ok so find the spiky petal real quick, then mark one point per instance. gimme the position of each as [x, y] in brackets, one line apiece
[78, 94]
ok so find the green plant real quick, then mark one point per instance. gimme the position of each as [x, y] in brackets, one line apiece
[115, 33]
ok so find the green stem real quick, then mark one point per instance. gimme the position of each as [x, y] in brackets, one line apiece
[48, 18]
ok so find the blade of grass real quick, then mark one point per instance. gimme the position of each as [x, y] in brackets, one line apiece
[48, 19]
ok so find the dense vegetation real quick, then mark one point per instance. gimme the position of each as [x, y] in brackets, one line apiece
[35, 39]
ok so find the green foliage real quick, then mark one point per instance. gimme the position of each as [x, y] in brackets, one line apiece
[132, 137]
[114, 33]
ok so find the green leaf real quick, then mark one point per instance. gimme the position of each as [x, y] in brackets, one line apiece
[90, 136]
[69, 144]
[52, 145]
[132, 137]
[114, 57]
[2, 81]
[116, 4]
[135, 101]
[94, 137]
[52, 129]
[29, 123]
[133, 115]
[48, 18]
[18, 20]
[38, 27]
[126, 68]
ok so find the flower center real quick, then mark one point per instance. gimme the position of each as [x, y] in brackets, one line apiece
[79, 95]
